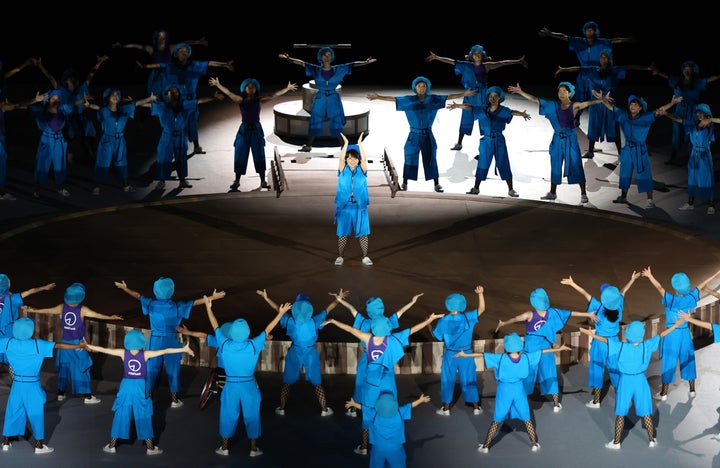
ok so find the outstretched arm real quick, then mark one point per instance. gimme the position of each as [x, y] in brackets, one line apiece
[545, 32]
[119, 352]
[359, 334]
[263, 293]
[184, 330]
[215, 296]
[407, 306]
[123, 286]
[216, 63]
[707, 281]
[32, 291]
[55, 310]
[432, 57]
[419, 326]
[635, 275]
[570, 282]
[556, 350]
[647, 273]
[282, 310]
[374, 96]
[214, 81]
[362, 63]
[161, 352]
[668, 330]
[592, 335]
[296, 61]
[518, 90]
[88, 312]
[94, 69]
[290, 87]
[503, 63]
[524, 317]
[340, 297]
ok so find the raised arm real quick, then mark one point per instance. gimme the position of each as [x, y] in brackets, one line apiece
[359, 334]
[462, 353]
[363, 156]
[236, 98]
[662, 110]
[290, 87]
[480, 291]
[419, 326]
[19, 68]
[334, 303]
[41, 67]
[524, 317]
[263, 293]
[702, 285]
[635, 275]
[647, 273]
[38, 289]
[407, 306]
[215, 296]
[467, 92]
[282, 310]
[518, 90]
[343, 152]
[570, 282]
[340, 297]
[91, 74]
[123, 286]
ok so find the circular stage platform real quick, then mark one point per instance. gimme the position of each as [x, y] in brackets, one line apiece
[292, 118]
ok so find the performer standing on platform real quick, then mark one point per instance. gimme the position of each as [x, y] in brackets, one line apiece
[326, 105]
[250, 135]
[132, 401]
[473, 73]
[73, 366]
[565, 159]
[420, 110]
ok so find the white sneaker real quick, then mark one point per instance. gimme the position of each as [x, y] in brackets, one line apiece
[483, 449]
[691, 394]
[711, 210]
[96, 191]
[556, 409]
[256, 453]
[327, 412]
[352, 412]
[652, 443]
[7, 446]
[513, 193]
[657, 396]
[591, 404]
[154, 451]
[64, 192]
[109, 449]
[367, 261]
[177, 404]
[93, 400]
[222, 451]
[360, 450]
[584, 199]
[129, 189]
[477, 411]
[61, 397]
[339, 261]
[280, 411]
[442, 412]
[686, 207]
[44, 449]
[8, 196]
[612, 445]
[535, 447]
[649, 203]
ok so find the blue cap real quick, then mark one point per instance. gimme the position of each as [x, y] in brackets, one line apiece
[639, 100]
[75, 293]
[497, 90]
[164, 288]
[180, 46]
[539, 299]
[611, 298]
[23, 328]
[512, 343]
[247, 81]
[302, 311]
[681, 283]
[704, 108]
[134, 339]
[635, 332]
[239, 330]
[322, 51]
[374, 307]
[380, 326]
[455, 302]
[569, 86]
[418, 80]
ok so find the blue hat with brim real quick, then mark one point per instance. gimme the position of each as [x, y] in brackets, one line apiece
[239, 330]
[164, 288]
[455, 302]
[512, 343]
[225, 329]
[23, 328]
[539, 299]
[375, 307]
[681, 283]
[639, 100]
[180, 46]
[569, 86]
[380, 326]
[386, 405]
[302, 311]
[635, 332]
[134, 339]
[704, 108]
[611, 298]
[75, 293]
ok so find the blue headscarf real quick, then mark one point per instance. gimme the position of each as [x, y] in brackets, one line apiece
[691, 64]
[108, 92]
[322, 51]
[75, 293]
[681, 283]
[418, 80]
[608, 52]
[374, 307]
[302, 311]
[611, 298]
[639, 100]
[247, 81]
[569, 86]
[539, 299]
[497, 90]
[134, 339]
[477, 48]
[180, 46]
[704, 108]
[455, 302]
[380, 326]
[239, 330]
[591, 24]
[635, 332]
[23, 328]
[512, 343]
[164, 288]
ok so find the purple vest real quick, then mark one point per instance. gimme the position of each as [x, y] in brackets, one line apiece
[134, 366]
[73, 326]
[535, 322]
[375, 351]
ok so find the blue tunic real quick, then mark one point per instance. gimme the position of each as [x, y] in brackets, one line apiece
[250, 136]
[632, 362]
[173, 144]
[73, 365]
[543, 337]
[187, 78]
[493, 145]
[112, 148]
[701, 174]
[52, 148]
[387, 436]
[565, 159]
[455, 331]
[511, 399]
[634, 156]
[601, 124]
[588, 55]
[677, 346]
[10, 304]
[351, 202]
[365, 324]
[132, 401]
[475, 78]
[327, 104]
[685, 109]
[599, 350]
[420, 116]
[302, 351]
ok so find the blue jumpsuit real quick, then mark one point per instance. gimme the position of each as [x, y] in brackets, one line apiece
[156, 80]
[250, 136]
[701, 174]
[387, 436]
[112, 148]
[187, 78]
[327, 104]
[381, 370]
[351, 202]
[475, 78]
[684, 109]
[365, 324]
[420, 116]
[634, 156]
[633, 388]
[677, 346]
[78, 124]
[241, 391]
[601, 124]
[302, 351]
[26, 402]
[52, 149]
[132, 401]
[540, 334]
[165, 316]
[73, 365]
[493, 144]
[10, 304]
[455, 331]
[173, 144]
[511, 399]
[565, 159]
[599, 350]
[588, 55]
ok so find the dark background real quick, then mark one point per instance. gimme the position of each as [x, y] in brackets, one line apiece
[252, 34]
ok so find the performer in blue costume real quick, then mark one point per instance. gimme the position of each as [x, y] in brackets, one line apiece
[678, 348]
[73, 366]
[185, 74]
[10, 304]
[604, 78]
[609, 310]
[302, 327]
[374, 308]
[473, 72]
[51, 117]
[689, 85]
[250, 135]
[26, 402]
[565, 159]
[326, 104]
[587, 49]
[384, 350]
[511, 369]
[700, 130]
[633, 357]
[420, 110]
[165, 315]
[239, 354]
[175, 114]
[387, 429]
[634, 157]
[352, 199]
[112, 151]
[492, 119]
[132, 401]
[455, 330]
[541, 327]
